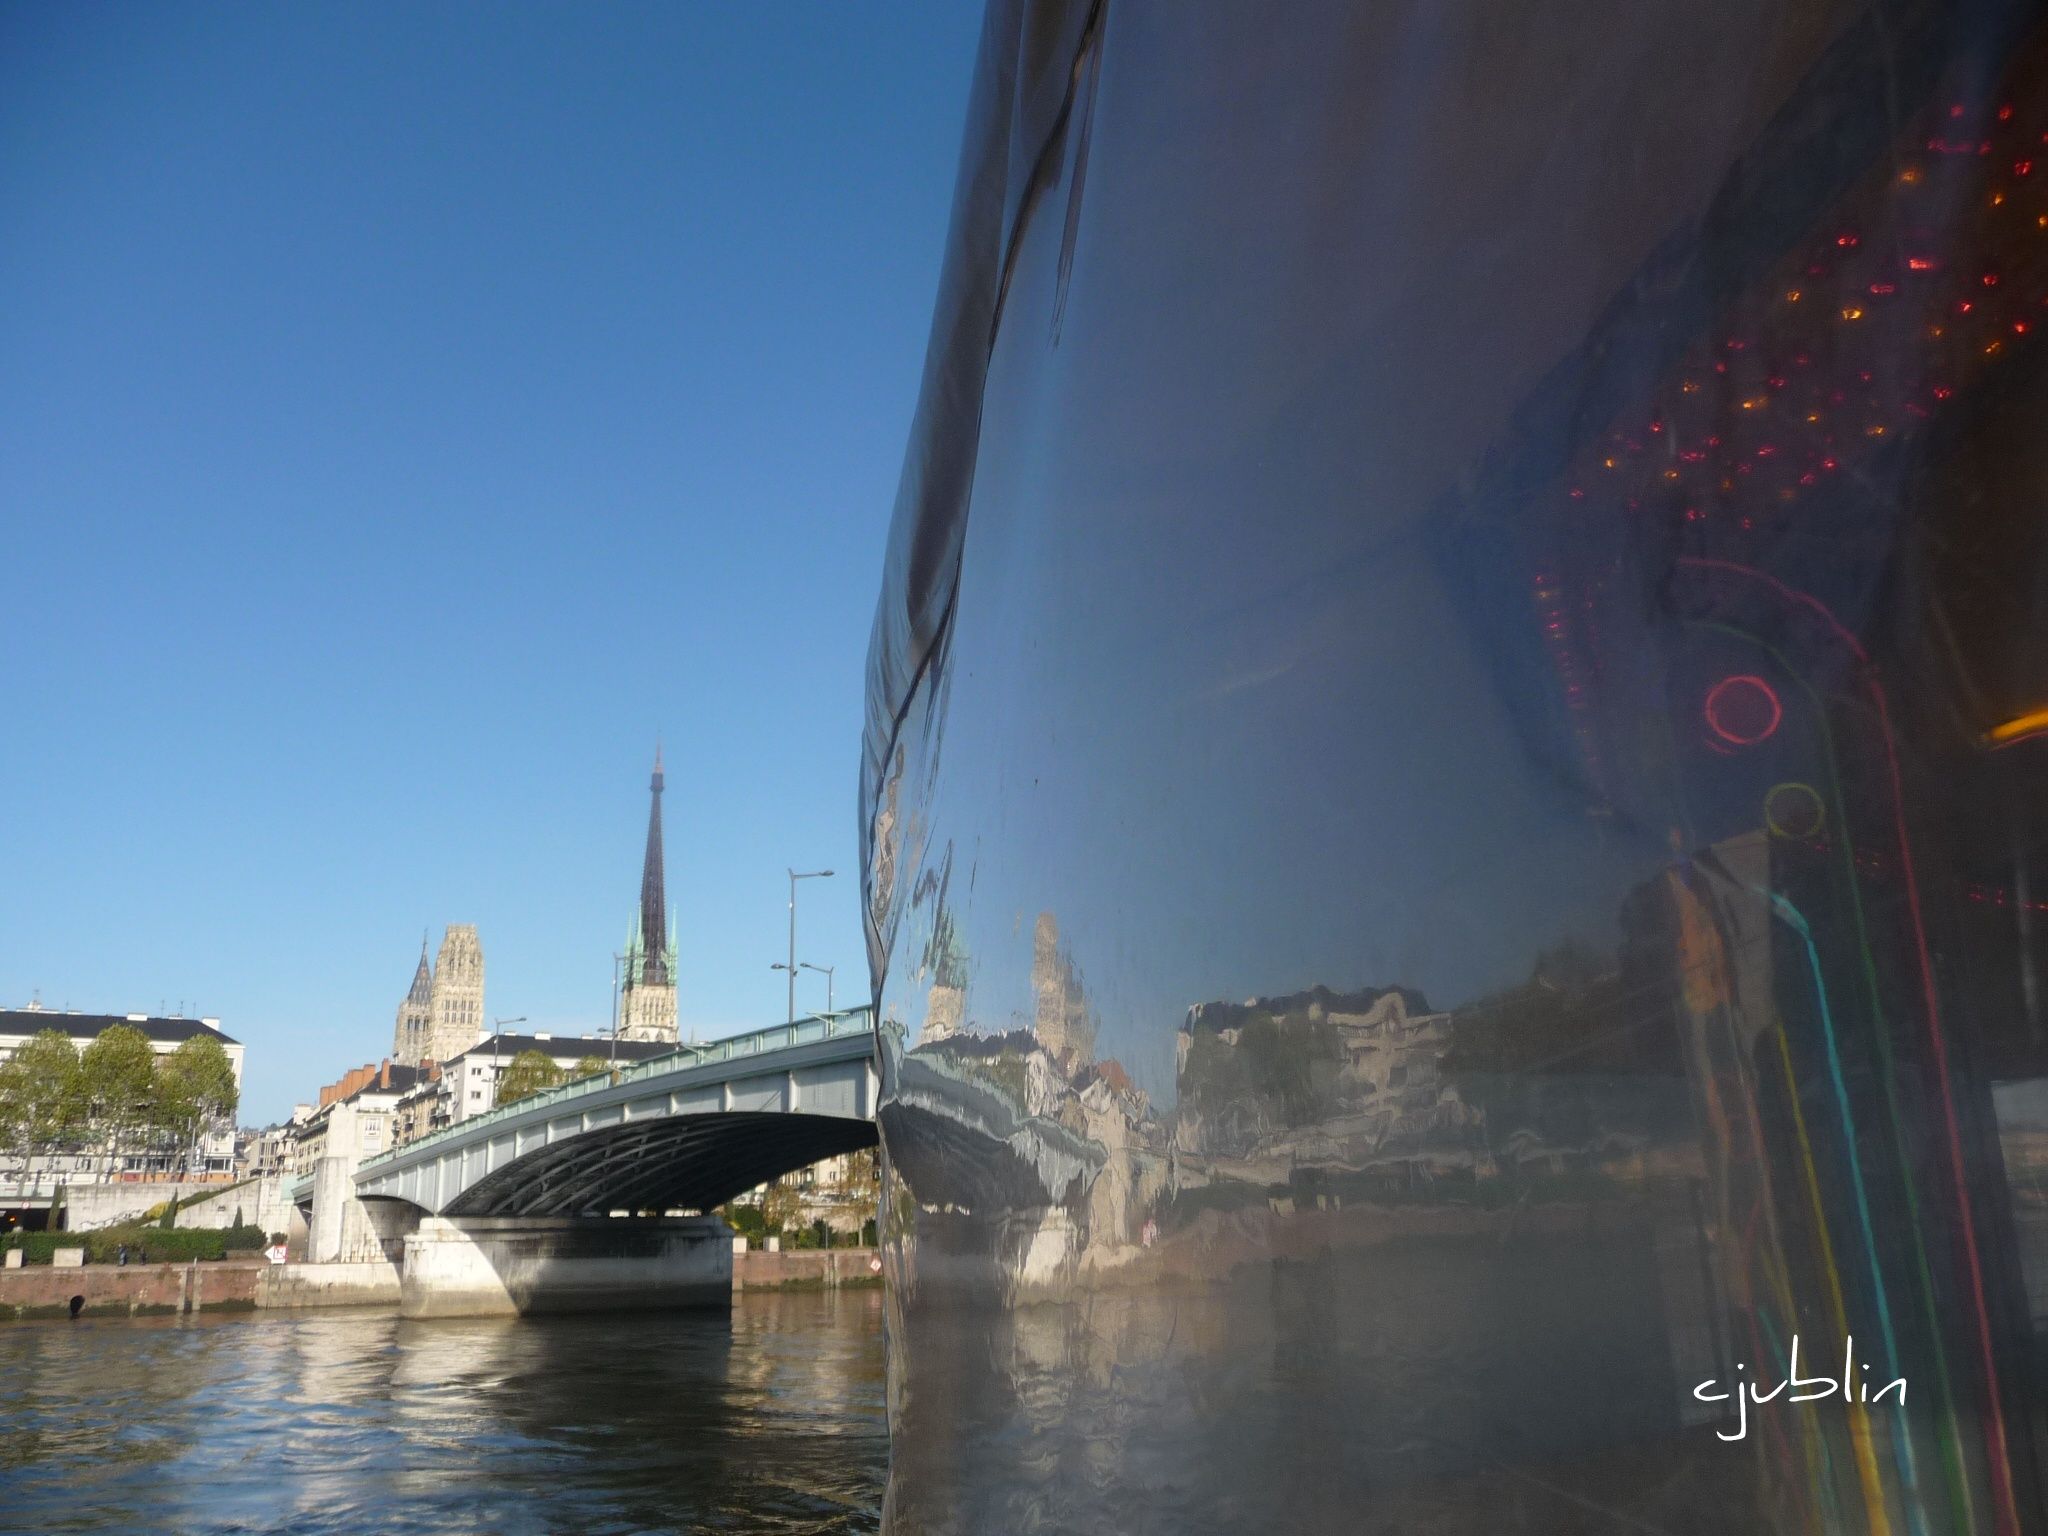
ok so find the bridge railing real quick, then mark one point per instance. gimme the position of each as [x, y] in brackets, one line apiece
[755, 1042]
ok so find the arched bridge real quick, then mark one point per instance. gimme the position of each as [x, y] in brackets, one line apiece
[688, 1130]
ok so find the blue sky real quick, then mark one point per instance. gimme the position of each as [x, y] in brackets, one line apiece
[410, 412]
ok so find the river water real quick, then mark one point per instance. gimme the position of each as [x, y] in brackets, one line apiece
[767, 1420]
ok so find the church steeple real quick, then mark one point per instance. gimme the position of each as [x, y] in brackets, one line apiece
[422, 978]
[647, 1001]
[653, 903]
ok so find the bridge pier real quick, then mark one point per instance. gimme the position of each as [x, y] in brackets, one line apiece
[481, 1266]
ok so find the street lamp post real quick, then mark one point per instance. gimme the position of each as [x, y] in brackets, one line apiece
[618, 961]
[814, 874]
[825, 971]
[497, 1032]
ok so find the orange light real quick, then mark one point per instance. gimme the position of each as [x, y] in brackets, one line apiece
[1792, 296]
[1910, 175]
[2005, 735]
[1852, 313]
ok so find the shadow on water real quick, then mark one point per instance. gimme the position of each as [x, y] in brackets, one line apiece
[770, 1420]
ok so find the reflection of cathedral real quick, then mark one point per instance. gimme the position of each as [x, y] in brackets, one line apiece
[647, 1001]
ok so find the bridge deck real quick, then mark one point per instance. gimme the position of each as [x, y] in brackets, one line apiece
[675, 1129]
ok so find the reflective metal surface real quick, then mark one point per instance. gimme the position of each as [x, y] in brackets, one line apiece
[1454, 784]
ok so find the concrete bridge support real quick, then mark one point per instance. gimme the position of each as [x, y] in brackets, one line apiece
[479, 1266]
[346, 1230]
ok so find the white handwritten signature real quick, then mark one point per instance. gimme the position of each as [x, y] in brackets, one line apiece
[1826, 1386]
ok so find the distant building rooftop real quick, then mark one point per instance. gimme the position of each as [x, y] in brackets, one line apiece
[87, 1026]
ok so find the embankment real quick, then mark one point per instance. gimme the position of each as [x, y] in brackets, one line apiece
[152, 1290]
[804, 1269]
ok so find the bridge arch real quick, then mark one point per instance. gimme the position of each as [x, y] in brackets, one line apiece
[691, 1162]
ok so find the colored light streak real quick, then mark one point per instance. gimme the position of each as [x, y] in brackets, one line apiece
[2025, 728]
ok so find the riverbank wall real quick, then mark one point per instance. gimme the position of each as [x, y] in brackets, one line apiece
[160, 1290]
[127, 1290]
[328, 1285]
[804, 1269]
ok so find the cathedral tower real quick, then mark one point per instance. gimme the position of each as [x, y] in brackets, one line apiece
[647, 1003]
[455, 1004]
[415, 1014]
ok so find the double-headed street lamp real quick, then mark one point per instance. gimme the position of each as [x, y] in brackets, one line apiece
[825, 971]
[812, 874]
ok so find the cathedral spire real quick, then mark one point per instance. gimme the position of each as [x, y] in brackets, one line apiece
[422, 977]
[653, 905]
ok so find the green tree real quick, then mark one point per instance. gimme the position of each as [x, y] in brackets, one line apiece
[117, 1080]
[41, 1108]
[528, 1073]
[591, 1066]
[781, 1206]
[195, 1093]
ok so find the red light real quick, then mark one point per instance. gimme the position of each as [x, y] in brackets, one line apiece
[2023, 167]
[1743, 709]
[1881, 288]
[1956, 110]
[1846, 240]
[1921, 263]
[2005, 113]
[1990, 279]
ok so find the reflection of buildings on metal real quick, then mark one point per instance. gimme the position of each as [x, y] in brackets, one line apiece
[1278, 1091]
[1631, 646]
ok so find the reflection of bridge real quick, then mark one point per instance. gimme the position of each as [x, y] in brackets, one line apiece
[624, 1161]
